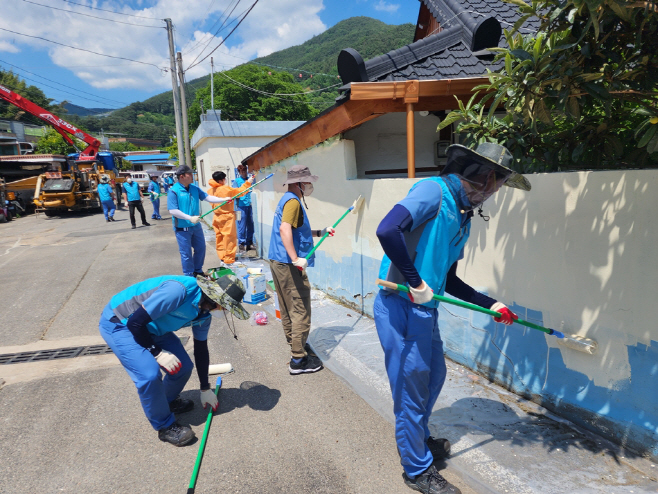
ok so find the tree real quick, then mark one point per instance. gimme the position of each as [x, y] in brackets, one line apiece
[239, 103]
[34, 94]
[53, 143]
[173, 152]
[125, 146]
[582, 93]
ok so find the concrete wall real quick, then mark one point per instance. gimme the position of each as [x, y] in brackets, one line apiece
[576, 253]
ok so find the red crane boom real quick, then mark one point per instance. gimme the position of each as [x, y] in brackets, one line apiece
[63, 127]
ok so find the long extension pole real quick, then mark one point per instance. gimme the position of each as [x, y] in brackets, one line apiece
[202, 444]
[237, 195]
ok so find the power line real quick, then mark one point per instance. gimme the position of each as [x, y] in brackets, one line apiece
[282, 94]
[64, 85]
[111, 11]
[92, 16]
[203, 39]
[227, 37]
[165, 69]
[271, 95]
[219, 29]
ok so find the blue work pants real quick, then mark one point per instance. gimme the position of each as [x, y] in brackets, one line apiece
[190, 240]
[246, 226]
[155, 393]
[416, 368]
[108, 208]
[156, 210]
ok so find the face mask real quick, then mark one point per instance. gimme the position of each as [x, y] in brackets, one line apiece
[307, 189]
[129, 180]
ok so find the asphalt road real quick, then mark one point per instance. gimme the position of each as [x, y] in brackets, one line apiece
[77, 426]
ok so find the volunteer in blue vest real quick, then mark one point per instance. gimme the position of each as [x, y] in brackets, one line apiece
[243, 203]
[138, 324]
[154, 193]
[132, 194]
[291, 241]
[183, 203]
[106, 196]
[423, 237]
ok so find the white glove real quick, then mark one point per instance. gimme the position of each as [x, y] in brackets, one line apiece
[195, 219]
[328, 230]
[300, 263]
[168, 361]
[208, 397]
[421, 295]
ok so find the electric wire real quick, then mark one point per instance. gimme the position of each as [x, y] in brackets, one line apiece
[279, 94]
[165, 69]
[64, 85]
[203, 39]
[112, 11]
[227, 37]
[92, 16]
[219, 30]
[271, 95]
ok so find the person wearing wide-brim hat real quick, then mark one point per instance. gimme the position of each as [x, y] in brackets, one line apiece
[139, 324]
[423, 238]
[290, 243]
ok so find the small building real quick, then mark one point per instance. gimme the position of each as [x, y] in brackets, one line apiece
[220, 145]
[146, 161]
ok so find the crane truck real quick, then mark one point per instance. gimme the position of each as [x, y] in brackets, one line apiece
[75, 187]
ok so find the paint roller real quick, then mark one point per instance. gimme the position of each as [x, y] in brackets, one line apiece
[237, 195]
[575, 342]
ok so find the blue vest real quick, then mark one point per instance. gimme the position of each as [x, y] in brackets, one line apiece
[302, 237]
[124, 303]
[104, 192]
[132, 191]
[246, 199]
[434, 246]
[188, 203]
[154, 187]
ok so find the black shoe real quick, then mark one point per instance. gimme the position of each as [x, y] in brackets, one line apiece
[112, 218]
[199, 273]
[179, 405]
[107, 219]
[431, 482]
[242, 248]
[439, 447]
[133, 227]
[308, 364]
[176, 434]
[146, 224]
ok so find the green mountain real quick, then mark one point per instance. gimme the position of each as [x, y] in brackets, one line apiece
[315, 60]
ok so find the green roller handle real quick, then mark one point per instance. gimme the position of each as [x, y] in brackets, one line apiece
[237, 195]
[477, 308]
[308, 256]
[202, 444]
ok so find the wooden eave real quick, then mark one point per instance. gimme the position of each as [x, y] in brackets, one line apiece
[368, 100]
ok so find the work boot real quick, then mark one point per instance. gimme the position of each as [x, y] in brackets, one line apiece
[439, 447]
[430, 482]
[179, 405]
[308, 364]
[176, 434]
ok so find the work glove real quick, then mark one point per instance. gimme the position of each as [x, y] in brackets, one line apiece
[195, 219]
[328, 230]
[208, 397]
[300, 263]
[421, 295]
[168, 361]
[506, 316]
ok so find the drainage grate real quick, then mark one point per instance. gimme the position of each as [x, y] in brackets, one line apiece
[61, 353]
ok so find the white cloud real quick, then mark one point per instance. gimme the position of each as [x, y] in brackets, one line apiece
[271, 26]
[383, 6]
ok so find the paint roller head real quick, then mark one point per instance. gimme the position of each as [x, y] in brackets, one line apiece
[579, 343]
[357, 205]
[220, 369]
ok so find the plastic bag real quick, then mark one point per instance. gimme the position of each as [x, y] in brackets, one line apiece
[258, 319]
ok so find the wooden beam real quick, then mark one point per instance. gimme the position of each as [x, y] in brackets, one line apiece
[411, 142]
[395, 90]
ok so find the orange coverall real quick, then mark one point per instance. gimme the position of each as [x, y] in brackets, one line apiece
[223, 222]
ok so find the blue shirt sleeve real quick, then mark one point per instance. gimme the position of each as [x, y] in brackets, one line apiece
[423, 202]
[202, 194]
[168, 297]
[172, 199]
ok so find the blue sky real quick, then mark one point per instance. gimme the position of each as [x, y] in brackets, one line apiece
[99, 82]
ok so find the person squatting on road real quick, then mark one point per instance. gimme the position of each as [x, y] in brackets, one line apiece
[224, 218]
[183, 203]
[139, 323]
[132, 194]
[290, 243]
[106, 196]
[154, 193]
[243, 203]
[423, 238]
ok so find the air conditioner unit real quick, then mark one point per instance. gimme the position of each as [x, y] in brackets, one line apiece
[440, 150]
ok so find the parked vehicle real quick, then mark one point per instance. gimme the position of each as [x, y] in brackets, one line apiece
[142, 178]
[165, 175]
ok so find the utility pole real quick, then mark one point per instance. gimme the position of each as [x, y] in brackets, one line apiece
[174, 87]
[186, 130]
[212, 86]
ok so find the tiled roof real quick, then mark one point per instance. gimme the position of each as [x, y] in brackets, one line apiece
[468, 27]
